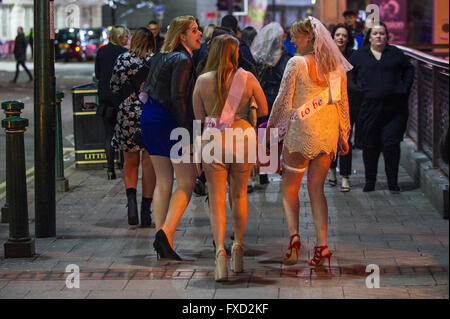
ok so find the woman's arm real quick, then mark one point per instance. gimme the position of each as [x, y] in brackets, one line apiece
[343, 111]
[199, 108]
[181, 75]
[116, 77]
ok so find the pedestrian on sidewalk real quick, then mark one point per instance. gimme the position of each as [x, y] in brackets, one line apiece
[271, 59]
[155, 29]
[344, 40]
[220, 80]
[311, 127]
[383, 74]
[30, 42]
[169, 87]
[20, 53]
[109, 102]
[128, 77]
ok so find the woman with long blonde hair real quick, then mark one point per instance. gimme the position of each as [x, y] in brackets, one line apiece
[311, 114]
[108, 102]
[169, 106]
[214, 106]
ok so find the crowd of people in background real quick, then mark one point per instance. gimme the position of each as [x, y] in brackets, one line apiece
[232, 78]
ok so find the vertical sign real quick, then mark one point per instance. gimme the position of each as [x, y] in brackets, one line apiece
[393, 13]
[52, 20]
[256, 13]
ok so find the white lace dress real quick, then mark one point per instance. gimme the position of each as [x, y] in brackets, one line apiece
[319, 133]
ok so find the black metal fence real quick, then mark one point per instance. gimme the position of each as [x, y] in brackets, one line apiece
[428, 104]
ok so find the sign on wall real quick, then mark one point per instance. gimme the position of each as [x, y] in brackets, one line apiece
[72, 16]
[393, 13]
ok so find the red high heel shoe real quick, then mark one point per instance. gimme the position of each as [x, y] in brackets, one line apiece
[318, 259]
[291, 256]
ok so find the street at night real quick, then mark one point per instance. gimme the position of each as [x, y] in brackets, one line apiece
[332, 220]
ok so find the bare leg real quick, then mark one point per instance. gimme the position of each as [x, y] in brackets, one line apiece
[148, 176]
[290, 185]
[131, 169]
[238, 193]
[185, 175]
[217, 189]
[163, 188]
[317, 174]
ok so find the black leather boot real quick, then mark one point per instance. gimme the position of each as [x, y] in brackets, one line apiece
[133, 218]
[146, 217]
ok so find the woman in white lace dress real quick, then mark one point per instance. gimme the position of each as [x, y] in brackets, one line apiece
[311, 114]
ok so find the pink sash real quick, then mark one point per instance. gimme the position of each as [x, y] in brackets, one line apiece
[231, 104]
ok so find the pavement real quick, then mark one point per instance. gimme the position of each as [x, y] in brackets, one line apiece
[401, 235]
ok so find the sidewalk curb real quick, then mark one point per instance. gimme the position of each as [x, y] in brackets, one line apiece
[430, 180]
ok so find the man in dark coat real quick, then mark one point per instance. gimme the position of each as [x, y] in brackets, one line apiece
[154, 28]
[20, 53]
[229, 21]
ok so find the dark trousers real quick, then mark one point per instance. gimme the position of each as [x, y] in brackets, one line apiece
[22, 63]
[391, 156]
[109, 124]
[345, 161]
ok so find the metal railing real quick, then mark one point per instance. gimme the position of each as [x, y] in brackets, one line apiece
[428, 104]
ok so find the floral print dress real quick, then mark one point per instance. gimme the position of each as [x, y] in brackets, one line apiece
[129, 114]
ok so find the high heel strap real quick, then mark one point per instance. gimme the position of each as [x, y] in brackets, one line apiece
[318, 257]
[291, 240]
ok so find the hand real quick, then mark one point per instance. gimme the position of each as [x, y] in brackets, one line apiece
[344, 148]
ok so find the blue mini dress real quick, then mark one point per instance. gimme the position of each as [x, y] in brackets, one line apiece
[157, 122]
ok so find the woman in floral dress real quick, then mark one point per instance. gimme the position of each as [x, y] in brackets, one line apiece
[129, 74]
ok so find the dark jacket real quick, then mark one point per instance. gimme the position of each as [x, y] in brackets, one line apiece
[270, 77]
[171, 81]
[104, 64]
[384, 88]
[20, 47]
[244, 50]
[159, 42]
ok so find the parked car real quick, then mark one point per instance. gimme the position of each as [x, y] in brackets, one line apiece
[77, 43]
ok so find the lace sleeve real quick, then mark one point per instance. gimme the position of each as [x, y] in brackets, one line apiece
[279, 116]
[343, 111]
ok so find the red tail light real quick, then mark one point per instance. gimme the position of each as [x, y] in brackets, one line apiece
[77, 49]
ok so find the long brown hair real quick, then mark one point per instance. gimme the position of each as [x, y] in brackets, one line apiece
[142, 43]
[223, 57]
[178, 26]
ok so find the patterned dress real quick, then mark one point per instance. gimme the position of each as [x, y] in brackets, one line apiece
[129, 114]
[319, 133]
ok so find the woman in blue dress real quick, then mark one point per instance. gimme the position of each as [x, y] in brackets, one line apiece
[169, 106]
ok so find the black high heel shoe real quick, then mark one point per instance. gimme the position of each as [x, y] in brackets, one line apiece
[162, 247]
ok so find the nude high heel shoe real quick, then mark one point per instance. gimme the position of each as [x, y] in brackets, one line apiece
[221, 273]
[237, 258]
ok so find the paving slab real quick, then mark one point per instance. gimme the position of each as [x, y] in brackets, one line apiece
[402, 234]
